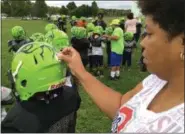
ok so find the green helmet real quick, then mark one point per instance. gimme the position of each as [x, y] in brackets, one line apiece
[35, 68]
[83, 18]
[73, 29]
[60, 39]
[18, 33]
[63, 16]
[49, 37]
[38, 37]
[90, 27]
[73, 18]
[99, 29]
[128, 36]
[109, 30]
[89, 34]
[79, 32]
[115, 22]
[122, 19]
[50, 27]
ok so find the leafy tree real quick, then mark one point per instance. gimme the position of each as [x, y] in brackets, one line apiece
[71, 6]
[40, 8]
[6, 7]
[63, 10]
[94, 8]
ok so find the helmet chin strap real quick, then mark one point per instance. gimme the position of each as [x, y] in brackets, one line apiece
[12, 82]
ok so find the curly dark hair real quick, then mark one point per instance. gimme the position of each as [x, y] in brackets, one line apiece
[130, 16]
[169, 14]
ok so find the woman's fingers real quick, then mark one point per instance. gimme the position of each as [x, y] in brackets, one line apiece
[68, 54]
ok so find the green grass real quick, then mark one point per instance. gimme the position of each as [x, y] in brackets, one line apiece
[90, 118]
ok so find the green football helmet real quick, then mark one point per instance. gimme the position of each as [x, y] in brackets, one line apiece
[36, 68]
[109, 30]
[98, 30]
[122, 19]
[49, 37]
[89, 34]
[18, 33]
[60, 39]
[39, 37]
[50, 27]
[115, 22]
[63, 16]
[83, 18]
[90, 27]
[73, 30]
[128, 36]
[79, 32]
[73, 18]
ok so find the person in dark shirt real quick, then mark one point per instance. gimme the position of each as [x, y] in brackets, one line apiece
[138, 31]
[122, 23]
[73, 21]
[100, 21]
[61, 23]
[90, 28]
[96, 41]
[46, 101]
[80, 42]
[129, 45]
[108, 31]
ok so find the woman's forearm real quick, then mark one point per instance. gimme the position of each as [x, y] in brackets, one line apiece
[105, 98]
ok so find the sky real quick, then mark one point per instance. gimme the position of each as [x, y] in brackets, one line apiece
[101, 4]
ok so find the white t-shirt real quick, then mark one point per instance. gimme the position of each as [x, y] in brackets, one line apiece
[134, 117]
[98, 50]
[130, 25]
[68, 81]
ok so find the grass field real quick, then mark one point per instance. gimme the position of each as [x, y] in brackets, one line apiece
[90, 118]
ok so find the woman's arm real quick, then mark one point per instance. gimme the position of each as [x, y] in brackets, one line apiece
[107, 99]
[111, 37]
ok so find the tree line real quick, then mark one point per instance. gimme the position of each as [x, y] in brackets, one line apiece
[22, 8]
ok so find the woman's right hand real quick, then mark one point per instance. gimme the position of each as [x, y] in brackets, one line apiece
[73, 60]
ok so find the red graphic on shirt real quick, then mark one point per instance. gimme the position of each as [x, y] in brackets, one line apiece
[127, 113]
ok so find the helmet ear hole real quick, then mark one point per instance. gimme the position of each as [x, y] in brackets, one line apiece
[24, 83]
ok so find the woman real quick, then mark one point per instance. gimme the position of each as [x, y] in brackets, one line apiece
[157, 103]
[130, 24]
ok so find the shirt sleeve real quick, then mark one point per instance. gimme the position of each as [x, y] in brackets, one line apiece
[116, 33]
[149, 80]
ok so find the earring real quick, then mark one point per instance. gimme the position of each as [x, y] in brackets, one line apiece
[182, 56]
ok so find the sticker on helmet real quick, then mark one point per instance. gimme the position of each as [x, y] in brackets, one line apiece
[55, 86]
